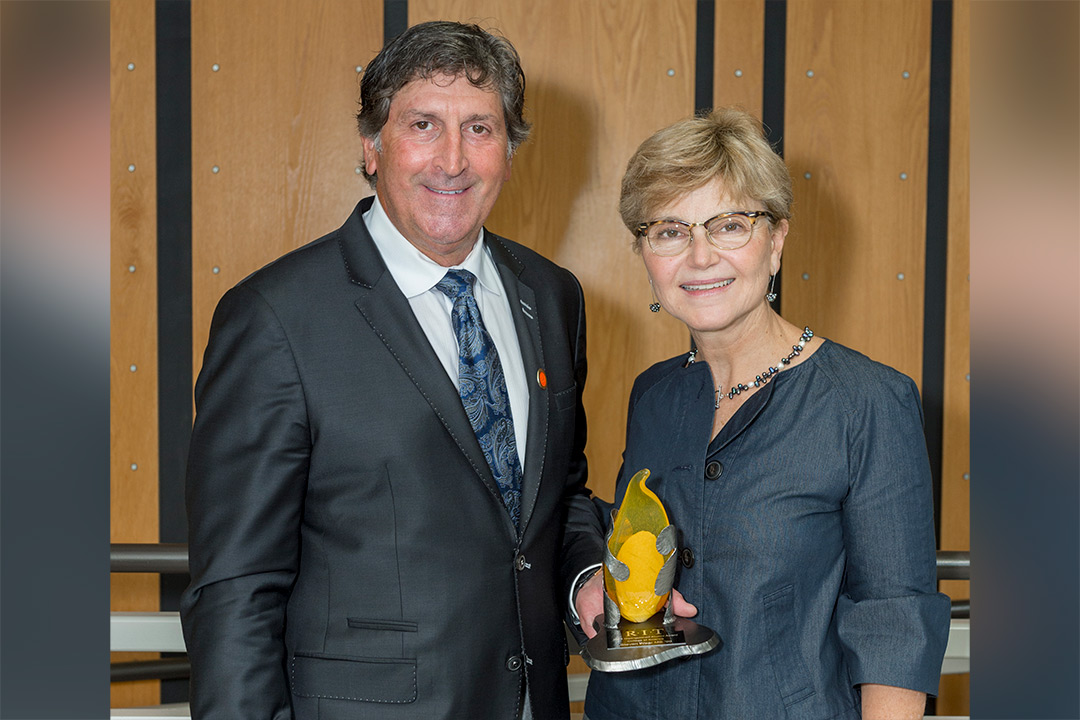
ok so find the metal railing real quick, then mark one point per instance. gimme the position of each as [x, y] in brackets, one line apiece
[172, 558]
[167, 558]
[953, 565]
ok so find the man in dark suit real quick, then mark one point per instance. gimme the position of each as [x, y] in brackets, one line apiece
[361, 546]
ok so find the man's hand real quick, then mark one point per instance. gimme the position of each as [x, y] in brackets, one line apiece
[590, 604]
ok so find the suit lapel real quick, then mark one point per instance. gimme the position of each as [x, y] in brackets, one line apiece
[523, 305]
[387, 310]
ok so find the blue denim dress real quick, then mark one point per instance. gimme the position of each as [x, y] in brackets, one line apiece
[807, 534]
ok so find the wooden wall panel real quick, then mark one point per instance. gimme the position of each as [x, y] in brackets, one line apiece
[858, 128]
[133, 311]
[276, 119]
[954, 694]
[598, 83]
[738, 54]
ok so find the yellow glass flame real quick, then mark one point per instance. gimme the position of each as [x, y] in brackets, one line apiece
[639, 520]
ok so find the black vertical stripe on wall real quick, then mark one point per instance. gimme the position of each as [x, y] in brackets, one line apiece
[704, 56]
[395, 18]
[173, 55]
[773, 88]
[774, 65]
[704, 60]
[937, 238]
[173, 50]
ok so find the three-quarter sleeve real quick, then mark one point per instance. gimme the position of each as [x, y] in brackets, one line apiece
[892, 622]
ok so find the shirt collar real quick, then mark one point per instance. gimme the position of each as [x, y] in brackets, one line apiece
[413, 271]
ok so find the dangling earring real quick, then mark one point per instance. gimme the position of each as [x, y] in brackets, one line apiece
[771, 295]
[654, 306]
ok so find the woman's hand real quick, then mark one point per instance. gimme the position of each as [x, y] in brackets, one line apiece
[680, 606]
[590, 604]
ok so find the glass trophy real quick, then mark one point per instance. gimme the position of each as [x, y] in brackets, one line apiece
[640, 627]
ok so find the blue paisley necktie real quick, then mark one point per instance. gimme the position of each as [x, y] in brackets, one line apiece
[483, 388]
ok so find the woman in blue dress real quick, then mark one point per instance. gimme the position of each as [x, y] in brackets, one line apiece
[794, 468]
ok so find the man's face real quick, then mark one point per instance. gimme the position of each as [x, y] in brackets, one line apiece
[442, 163]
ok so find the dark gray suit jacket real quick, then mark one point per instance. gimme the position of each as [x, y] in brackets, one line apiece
[351, 556]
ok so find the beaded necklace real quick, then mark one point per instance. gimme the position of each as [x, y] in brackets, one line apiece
[764, 377]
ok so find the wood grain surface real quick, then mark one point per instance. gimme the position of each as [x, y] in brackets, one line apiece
[133, 315]
[954, 694]
[738, 54]
[859, 128]
[277, 121]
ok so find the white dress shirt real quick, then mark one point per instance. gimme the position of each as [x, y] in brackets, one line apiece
[416, 275]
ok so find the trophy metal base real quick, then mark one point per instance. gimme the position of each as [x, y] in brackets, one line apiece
[633, 646]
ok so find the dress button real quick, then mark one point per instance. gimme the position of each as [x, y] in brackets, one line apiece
[520, 563]
[513, 664]
[686, 557]
[714, 470]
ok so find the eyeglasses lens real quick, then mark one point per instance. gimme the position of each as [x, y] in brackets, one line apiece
[669, 238]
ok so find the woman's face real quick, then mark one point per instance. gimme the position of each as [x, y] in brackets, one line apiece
[707, 288]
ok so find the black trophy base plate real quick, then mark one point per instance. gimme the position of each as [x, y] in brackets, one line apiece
[633, 646]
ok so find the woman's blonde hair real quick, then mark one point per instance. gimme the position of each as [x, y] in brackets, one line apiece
[727, 144]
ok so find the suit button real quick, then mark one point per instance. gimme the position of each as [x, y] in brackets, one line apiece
[513, 664]
[686, 557]
[714, 470]
[520, 563]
